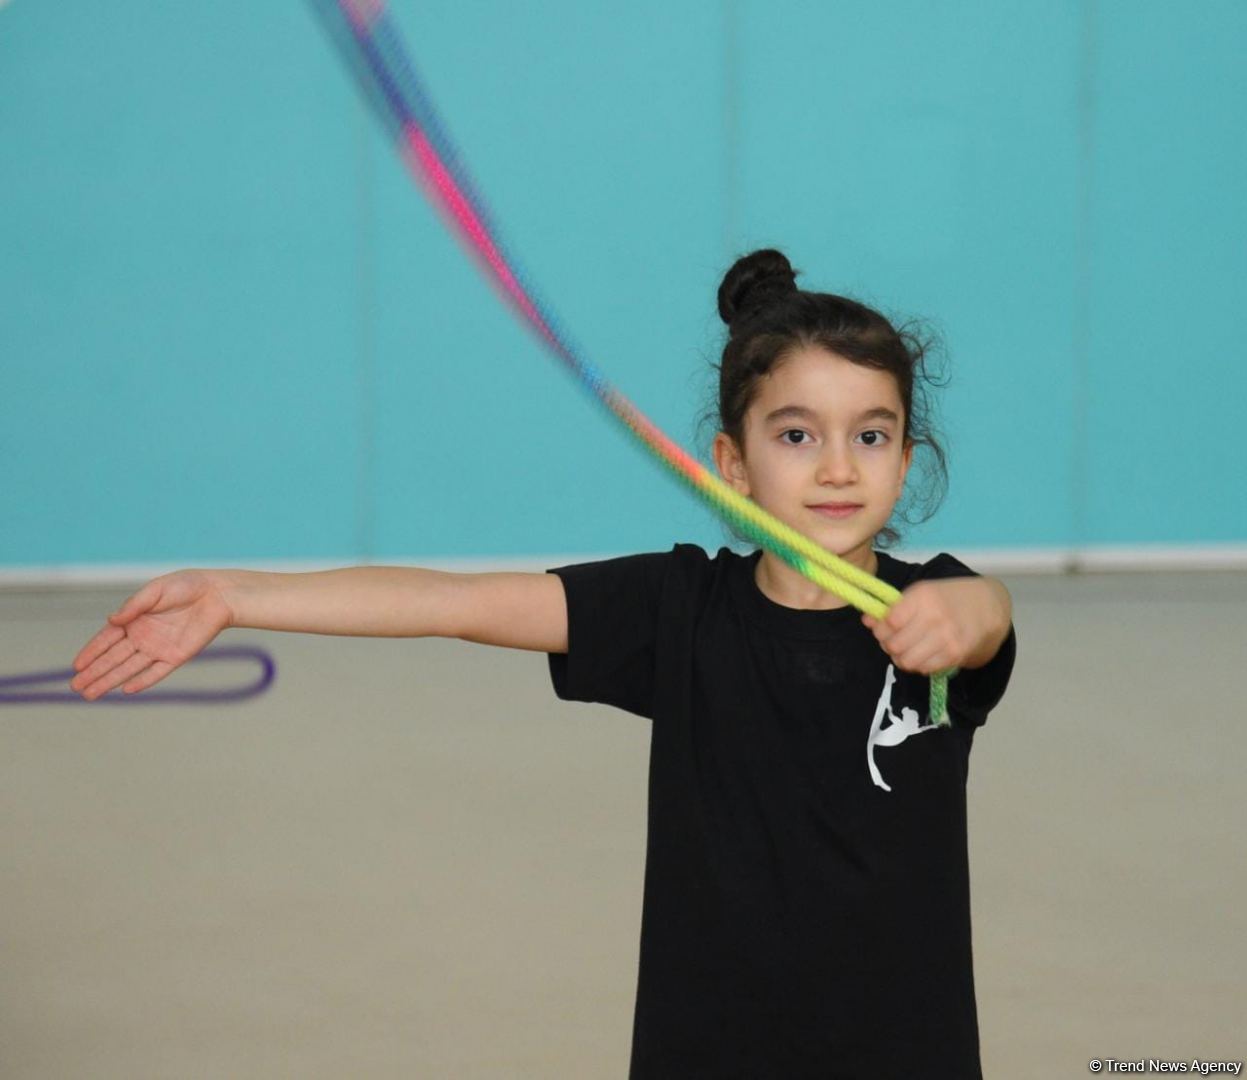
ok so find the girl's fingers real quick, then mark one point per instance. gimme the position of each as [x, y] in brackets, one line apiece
[929, 665]
[150, 677]
[105, 639]
[143, 600]
[119, 652]
[899, 642]
[915, 649]
[901, 612]
[135, 664]
[923, 659]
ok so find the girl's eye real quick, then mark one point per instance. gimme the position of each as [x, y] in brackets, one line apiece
[874, 437]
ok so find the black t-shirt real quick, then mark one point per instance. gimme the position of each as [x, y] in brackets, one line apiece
[807, 900]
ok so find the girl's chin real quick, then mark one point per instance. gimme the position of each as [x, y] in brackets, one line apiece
[857, 552]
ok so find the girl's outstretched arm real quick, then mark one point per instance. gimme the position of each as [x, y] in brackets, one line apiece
[354, 601]
[515, 610]
[174, 617]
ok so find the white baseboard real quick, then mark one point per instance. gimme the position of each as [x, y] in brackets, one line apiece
[1095, 560]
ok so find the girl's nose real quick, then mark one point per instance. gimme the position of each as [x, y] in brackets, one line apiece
[837, 466]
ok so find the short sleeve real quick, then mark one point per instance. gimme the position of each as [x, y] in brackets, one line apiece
[974, 692]
[612, 626]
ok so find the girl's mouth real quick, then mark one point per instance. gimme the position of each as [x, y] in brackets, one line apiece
[837, 510]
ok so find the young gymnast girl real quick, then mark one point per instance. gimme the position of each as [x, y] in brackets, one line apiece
[806, 900]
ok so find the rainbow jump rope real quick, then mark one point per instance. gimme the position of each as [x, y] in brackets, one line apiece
[367, 39]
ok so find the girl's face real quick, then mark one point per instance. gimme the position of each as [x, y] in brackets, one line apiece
[822, 430]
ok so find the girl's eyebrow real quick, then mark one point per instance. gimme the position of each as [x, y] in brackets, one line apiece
[800, 412]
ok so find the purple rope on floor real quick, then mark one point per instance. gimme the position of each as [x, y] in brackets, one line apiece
[13, 692]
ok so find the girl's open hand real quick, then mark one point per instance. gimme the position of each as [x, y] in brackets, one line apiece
[937, 625]
[164, 624]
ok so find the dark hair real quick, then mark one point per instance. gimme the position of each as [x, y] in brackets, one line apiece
[768, 318]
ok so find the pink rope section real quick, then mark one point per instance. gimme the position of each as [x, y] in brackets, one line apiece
[429, 166]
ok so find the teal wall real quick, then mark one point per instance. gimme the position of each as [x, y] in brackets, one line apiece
[233, 330]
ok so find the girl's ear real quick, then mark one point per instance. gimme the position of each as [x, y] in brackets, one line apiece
[907, 457]
[728, 461]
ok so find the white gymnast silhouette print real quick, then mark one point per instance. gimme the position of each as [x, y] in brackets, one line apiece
[895, 733]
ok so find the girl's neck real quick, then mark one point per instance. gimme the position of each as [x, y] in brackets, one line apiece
[787, 587]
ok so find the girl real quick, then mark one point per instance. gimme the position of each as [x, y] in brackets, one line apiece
[806, 900]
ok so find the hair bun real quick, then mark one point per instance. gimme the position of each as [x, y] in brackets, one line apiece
[754, 281]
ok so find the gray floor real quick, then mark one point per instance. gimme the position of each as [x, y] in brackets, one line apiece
[410, 859]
